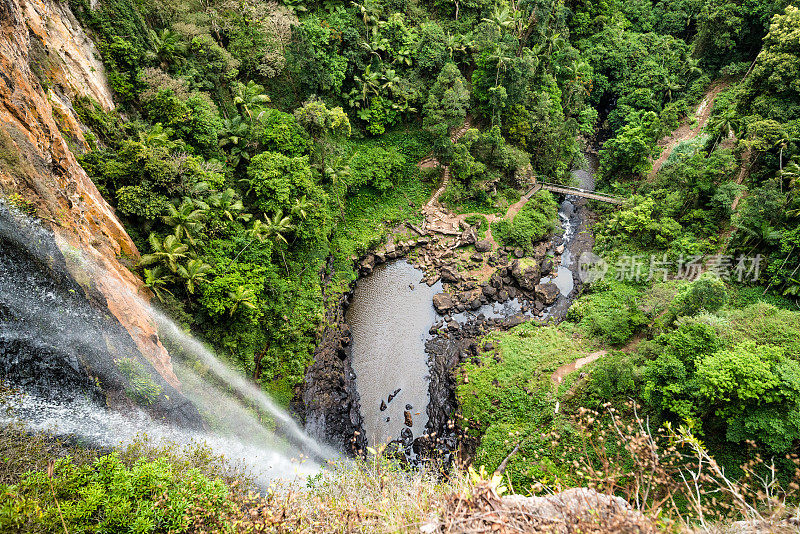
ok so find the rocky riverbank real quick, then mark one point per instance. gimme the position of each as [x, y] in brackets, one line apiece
[475, 275]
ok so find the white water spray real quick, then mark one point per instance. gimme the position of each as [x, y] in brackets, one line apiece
[45, 320]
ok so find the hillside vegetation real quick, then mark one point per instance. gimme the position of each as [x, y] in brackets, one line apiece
[259, 148]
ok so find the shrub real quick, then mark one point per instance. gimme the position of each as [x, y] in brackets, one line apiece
[612, 315]
[536, 220]
[109, 496]
[141, 201]
[706, 293]
[141, 386]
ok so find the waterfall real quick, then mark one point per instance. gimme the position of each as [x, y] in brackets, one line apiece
[51, 335]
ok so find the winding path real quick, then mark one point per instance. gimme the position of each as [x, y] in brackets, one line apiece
[685, 131]
[440, 220]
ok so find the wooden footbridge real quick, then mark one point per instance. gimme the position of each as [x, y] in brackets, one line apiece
[575, 191]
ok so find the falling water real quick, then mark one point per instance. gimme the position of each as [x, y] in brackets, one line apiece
[49, 333]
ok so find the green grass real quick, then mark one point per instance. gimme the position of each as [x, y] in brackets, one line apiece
[369, 214]
[513, 400]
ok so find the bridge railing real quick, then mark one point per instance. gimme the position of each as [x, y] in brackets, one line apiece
[578, 192]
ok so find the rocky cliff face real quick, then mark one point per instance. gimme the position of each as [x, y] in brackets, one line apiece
[46, 60]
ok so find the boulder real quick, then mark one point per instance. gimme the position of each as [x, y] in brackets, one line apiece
[368, 263]
[468, 237]
[496, 280]
[477, 257]
[519, 252]
[483, 246]
[449, 275]
[443, 302]
[540, 251]
[526, 279]
[547, 266]
[408, 420]
[489, 291]
[407, 437]
[548, 293]
[514, 320]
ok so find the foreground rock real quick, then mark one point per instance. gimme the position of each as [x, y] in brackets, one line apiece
[574, 510]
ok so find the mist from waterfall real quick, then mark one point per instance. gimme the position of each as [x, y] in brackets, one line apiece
[39, 318]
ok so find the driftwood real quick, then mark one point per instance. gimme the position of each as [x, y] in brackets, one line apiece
[416, 228]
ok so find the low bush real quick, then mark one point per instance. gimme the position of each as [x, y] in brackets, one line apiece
[536, 220]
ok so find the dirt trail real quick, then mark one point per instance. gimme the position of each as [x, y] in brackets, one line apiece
[559, 374]
[439, 219]
[685, 132]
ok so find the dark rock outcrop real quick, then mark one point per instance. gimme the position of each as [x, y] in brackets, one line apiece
[483, 245]
[548, 293]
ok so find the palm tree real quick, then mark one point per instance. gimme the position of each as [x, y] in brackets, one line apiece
[156, 137]
[194, 272]
[261, 231]
[369, 83]
[234, 137]
[390, 80]
[723, 124]
[185, 220]
[763, 232]
[167, 47]
[250, 97]
[157, 279]
[787, 141]
[376, 44]
[271, 227]
[792, 172]
[502, 18]
[241, 297]
[168, 252]
[301, 206]
[229, 205]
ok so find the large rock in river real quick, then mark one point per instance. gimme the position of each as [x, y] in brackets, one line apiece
[443, 303]
[548, 293]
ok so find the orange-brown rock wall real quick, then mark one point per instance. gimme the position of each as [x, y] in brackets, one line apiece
[41, 41]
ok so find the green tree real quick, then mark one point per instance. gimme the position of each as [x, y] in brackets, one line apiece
[241, 297]
[193, 273]
[448, 100]
[157, 280]
[229, 205]
[250, 99]
[628, 153]
[325, 125]
[186, 220]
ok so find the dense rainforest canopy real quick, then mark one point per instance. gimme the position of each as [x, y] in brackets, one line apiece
[260, 138]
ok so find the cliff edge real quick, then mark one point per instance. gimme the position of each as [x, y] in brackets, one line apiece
[46, 61]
